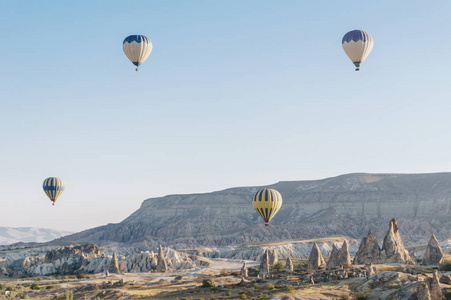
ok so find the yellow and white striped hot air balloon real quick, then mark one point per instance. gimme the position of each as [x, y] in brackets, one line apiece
[267, 203]
[357, 45]
[53, 188]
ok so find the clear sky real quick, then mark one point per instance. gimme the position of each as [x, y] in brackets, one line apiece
[235, 93]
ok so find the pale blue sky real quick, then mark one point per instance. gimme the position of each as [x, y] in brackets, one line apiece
[235, 93]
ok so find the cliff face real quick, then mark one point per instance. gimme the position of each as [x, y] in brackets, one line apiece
[345, 205]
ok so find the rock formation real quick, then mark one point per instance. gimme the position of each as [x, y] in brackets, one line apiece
[69, 260]
[393, 250]
[269, 258]
[344, 258]
[434, 253]
[339, 257]
[315, 259]
[244, 273]
[435, 287]
[413, 258]
[162, 265]
[289, 265]
[333, 258]
[423, 291]
[114, 265]
[355, 202]
[369, 251]
[430, 289]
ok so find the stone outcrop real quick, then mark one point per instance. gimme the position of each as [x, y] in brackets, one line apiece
[344, 258]
[355, 203]
[339, 257]
[244, 273]
[333, 258]
[289, 265]
[269, 258]
[423, 292]
[114, 265]
[435, 287]
[95, 262]
[434, 253]
[72, 250]
[369, 251]
[315, 259]
[393, 250]
[430, 289]
[162, 265]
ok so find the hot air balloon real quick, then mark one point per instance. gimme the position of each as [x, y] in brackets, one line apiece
[357, 44]
[53, 187]
[267, 203]
[137, 48]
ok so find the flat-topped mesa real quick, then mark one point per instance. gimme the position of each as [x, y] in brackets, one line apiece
[393, 250]
[369, 251]
[315, 259]
[434, 253]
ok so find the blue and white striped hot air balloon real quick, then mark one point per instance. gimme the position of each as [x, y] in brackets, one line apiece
[137, 48]
[357, 44]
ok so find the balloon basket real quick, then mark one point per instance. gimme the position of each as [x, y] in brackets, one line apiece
[357, 69]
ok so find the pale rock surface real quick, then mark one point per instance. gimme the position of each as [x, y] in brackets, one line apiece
[369, 251]
[114, 264]
[333, 258]
[344, 258]
[162, 265]
[435, 287]
[346, 205]
[244, 272]
[289, 265]
[423, 292]
[393, 250]
[315, 259]
[434, 253]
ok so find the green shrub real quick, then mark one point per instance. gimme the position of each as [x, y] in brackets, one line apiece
[445, 266]
[49, 287]
[270, 286]
[277, 266]
[302, 265]
[279, 286]
[229, 293]
[243, 296]
[362, 296]
[289, 287]
[35, 286]
[210, 282]
[179, 277]
[255, 285]
[69, 295]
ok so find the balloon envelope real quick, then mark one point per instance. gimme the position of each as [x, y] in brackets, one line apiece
[357, 44]
[267, 203]
[53, 187]
[137, 48]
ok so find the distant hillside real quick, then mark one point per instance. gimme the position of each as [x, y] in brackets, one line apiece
[347, 205]
[11, 235]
